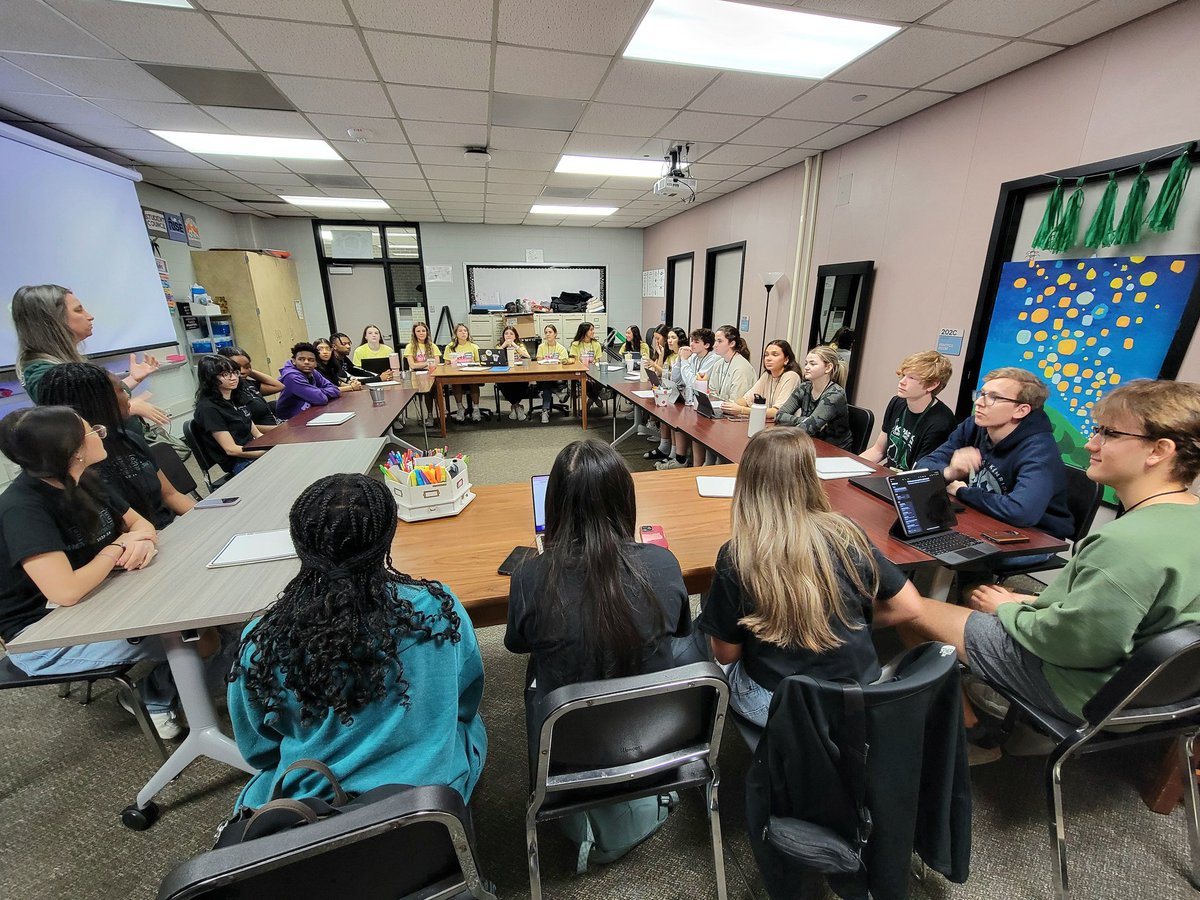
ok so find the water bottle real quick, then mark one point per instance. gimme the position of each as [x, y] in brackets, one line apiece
[758, 417]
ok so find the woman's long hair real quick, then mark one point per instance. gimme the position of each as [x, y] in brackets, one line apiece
[91, 392]
[789, 356]
[454, 344]
[788, 543]
[635, 339]
[330, 368]
[582, 330]
[829, 355]
[39, 313]
[209, 370]
[427, 344]
[332, 638]
[43, 440]
[591, 513]
[735, 337]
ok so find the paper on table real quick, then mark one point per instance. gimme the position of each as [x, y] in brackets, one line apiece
[645, 395]
[831, 467]
[331, 419]
[711, 486]
[256, 546]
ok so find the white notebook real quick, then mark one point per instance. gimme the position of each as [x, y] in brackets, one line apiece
[331, 418]
[645, 395]
[712, 486]
[831, 467]
[255, 546]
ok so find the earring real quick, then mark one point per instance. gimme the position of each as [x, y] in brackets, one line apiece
[78, 457]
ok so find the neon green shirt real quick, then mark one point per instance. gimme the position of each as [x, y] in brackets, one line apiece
[452, 353]
[545, 351]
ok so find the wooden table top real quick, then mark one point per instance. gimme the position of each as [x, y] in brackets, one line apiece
[370, 421]
[531, 371]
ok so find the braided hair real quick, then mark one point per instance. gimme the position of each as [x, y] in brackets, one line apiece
[332, 638]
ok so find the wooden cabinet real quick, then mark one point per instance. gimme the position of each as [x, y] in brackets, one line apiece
[261, 293]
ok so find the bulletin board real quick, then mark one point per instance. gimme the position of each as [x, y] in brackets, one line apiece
[491, 286]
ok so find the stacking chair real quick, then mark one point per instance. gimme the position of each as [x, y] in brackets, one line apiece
[862, 428]
[603, 742]
[173, 467]
[1083, 500]
[417, 843]
[201, 456]
[1158, 692]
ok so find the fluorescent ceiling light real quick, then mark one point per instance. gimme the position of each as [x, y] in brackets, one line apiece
[550, 210]
[249, 145]
[722, 35]
[605, 165]
[339, 202]
[181, 4]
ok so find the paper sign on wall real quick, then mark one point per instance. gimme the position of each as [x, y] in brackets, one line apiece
[193, 232]
[950, 341]
[156, 223]
[745, 324]
[654, 283]
[534, 256]
[176, 230]
[438, 273]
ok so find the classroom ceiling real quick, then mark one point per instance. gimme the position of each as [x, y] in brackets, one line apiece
[529, 79]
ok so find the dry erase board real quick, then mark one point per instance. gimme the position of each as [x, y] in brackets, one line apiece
[492, 286]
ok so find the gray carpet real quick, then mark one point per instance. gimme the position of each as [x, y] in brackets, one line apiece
[66, 772]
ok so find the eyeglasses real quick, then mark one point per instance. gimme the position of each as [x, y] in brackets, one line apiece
[991, 399]
[99, 430]
[1102, 434]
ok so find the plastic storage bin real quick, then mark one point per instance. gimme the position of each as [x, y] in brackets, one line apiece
[420, 503]
[202, 346]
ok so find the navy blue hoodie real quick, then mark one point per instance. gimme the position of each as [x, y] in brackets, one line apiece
[1023, 480]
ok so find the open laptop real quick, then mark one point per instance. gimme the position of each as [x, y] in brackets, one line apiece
[877, 486]
[924, 519]
[704, 406]
[493, 357]
[376, 366]
[538, 483]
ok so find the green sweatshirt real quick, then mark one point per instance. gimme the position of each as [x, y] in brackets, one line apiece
[1137, 577]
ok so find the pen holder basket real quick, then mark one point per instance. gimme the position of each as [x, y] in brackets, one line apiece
[418, 503]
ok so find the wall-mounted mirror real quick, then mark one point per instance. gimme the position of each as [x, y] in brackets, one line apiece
[840, 308]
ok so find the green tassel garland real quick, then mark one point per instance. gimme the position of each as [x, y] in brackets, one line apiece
[1045, 232]
[1100, 232]
[1166, 207]
[1129, 231]
[1066, 234]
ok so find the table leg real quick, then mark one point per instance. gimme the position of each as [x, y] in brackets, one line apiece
[204, 736]
[583, 403]
[632, 430]
[441, 399]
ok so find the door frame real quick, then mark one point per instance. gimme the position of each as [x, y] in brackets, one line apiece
[710, 269]
[670, 288]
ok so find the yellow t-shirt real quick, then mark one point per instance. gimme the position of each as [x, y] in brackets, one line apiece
[365, 352]
[452, 354]
[578, 348]
[519, 347]
[545, 351]
[420, 353]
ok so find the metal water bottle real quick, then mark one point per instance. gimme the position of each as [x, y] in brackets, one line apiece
[758, 416]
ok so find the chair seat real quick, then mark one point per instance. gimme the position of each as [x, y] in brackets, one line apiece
[12, 677]
[689, 775]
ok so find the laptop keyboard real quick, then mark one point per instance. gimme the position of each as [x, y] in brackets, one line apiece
[943, 543]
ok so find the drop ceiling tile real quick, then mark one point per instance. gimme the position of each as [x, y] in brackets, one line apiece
[121, 138]
[205, 196]
[522, 111]
[454, 173]
[834, 102]
[14, 78]
[515, 176]
[249, 163]
[53, 134]
[583, 25]
[249, 192]
[588, 182]
[750, 94]
[658, 148]
[1011, 18]
[790, 157]
[430, 61]
[300, 48]
[531, 139]
[166, 116]
[1101, 16]
[1000, 62]
[330, 12]
[155, 34]
[905, 105]
[603, 145]
[272, 179]
[465, 220]
[413, 194]
[468, 205]
[701, 126]
[548, 73]
[388, 170]
[635, 81]
[518, 159]
[893, 10]
[612, 118]
[177, 164]
[36, 28]
[385, 131]
[734, 154]
[782, 133]
[439, 105]
[445, 134]
[917, 55]
[95, 77]
[456, 186]
[499, 189]
[59, 110]
[507, 207]
[265, 122]
[714, 171]
[373, 153]
[502, 220]
[209, 177]
[331, 95]
[446, 156]
[615, 194]
[835, 137]
[453, 18]
[319, 166]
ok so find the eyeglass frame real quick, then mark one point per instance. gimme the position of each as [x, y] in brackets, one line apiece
[1102, 433]
[990, 398]
[101, 431]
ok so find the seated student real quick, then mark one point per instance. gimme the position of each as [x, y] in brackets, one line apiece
[596, 604]
[423, 356]
[303, 385]
[818, 405]
[462, 351]
[515, 392]
[129, 469]
[372, 346]
[731, 376]
[221, 419]
[550, 349]
[374, 673]
[61, 535]
[672, 371]
[695, 363]
[1004, 459]
[796, 588]
[661, 357]
[587, 350]
[780, 378]
[915, 422]
[634, 342]
[1132, 579]
[344, 364]
[334, 373]
[256, 386]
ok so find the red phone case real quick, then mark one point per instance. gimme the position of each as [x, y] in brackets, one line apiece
[653, 534]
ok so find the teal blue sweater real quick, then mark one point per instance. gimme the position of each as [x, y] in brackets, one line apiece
[439, 738]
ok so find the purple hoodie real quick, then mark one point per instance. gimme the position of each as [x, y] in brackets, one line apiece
[301, 391]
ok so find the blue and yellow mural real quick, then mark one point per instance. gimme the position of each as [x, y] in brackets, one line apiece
[1085, 326]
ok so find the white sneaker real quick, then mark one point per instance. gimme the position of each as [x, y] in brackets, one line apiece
[512, 413]
[165, 723]
[671, 463]
[475, 417]
[521, 414]
[459, 416]
[545, 417]
[646, 430]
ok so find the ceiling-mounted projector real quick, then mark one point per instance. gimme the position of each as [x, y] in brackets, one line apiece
[675, 186]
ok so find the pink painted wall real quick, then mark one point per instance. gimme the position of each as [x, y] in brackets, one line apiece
[924, 190]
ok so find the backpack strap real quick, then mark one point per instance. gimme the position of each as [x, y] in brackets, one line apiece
[340, 797]
[855, 752]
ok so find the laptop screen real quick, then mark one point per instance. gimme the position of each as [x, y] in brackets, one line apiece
[921, 502]
[378, 366]
[539, 502]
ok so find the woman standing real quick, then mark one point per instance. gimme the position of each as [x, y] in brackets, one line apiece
[818, 405]
[222, 421]
[515, 392]
[780, 378]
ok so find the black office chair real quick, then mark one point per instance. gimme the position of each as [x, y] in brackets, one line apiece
[173, 468]
[1083, 500]
[418, 842]
[603, 742]
[862, 428]
[1158, 692]
[12, 678]
[201, 456]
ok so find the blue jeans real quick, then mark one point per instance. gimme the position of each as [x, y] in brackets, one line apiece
[157, 688]
[749, 699]
[239, 465]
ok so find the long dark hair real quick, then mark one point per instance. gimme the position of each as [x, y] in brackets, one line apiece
[91, 392]
[582, 330]
[42, 440]
[635, 336]
[332, 638]
[735, 337]
[209, 370]
[591, 513]
[789, 356]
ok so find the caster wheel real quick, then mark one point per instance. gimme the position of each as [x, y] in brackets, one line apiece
[139, 818]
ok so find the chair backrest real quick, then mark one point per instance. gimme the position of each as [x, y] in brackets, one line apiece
[862, 427]
[401, 845]
[1083, 500]
[173, 467]
[1162, 674]
[197, 447]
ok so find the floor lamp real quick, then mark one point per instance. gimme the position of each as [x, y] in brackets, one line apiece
[769, 281]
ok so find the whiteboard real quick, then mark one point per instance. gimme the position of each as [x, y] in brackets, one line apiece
[492, 286]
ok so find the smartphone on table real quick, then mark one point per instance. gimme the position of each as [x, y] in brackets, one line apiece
[1007, 536]
[216, 502]
[653, 534]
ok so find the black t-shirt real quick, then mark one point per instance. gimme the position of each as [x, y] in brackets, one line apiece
[32, 523]
[912, 436]
[768, 664]
[130, 471]
[260, 412]
[213, 415]
[557, 658]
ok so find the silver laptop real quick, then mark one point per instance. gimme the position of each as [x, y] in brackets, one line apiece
[924, 519]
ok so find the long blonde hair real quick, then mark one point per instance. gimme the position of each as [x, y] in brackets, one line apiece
[829, 356]
[39, 313]
[788, 542]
